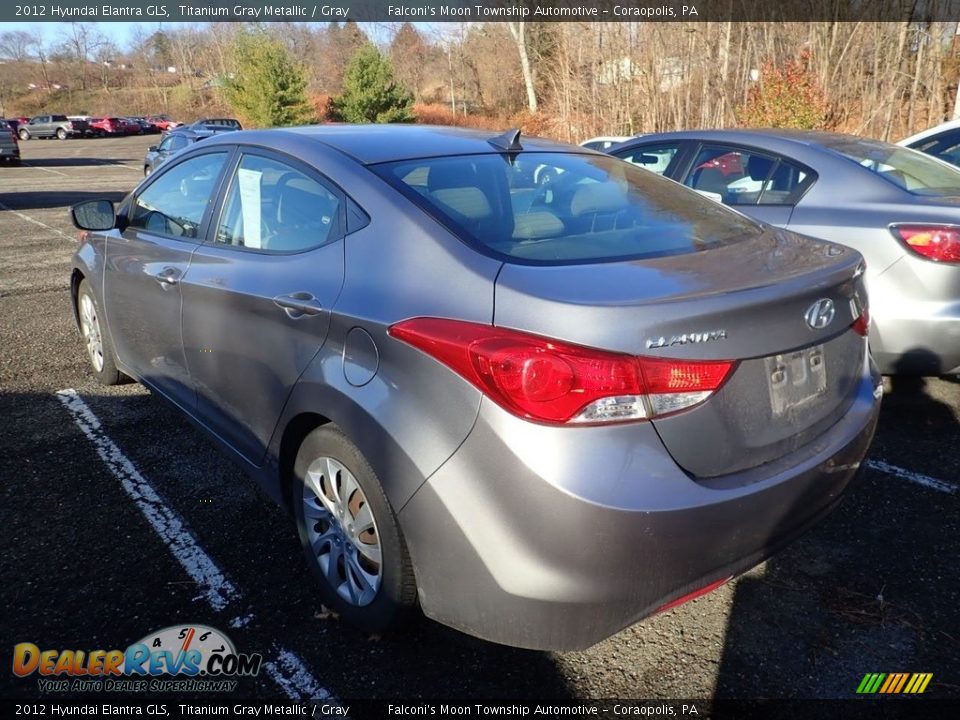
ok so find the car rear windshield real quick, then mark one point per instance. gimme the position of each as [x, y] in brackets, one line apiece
[910, 170]
[560, 208]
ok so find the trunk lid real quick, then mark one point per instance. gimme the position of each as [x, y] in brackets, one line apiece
[748, 301]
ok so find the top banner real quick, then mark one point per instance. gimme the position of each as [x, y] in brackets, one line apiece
[918, 11]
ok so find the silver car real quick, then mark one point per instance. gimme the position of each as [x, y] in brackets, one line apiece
[541, 412]
[898, 207]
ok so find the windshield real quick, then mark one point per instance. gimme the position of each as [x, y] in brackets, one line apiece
[910, 170]
[560, 208]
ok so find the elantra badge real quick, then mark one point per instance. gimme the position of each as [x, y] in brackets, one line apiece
[820, 314]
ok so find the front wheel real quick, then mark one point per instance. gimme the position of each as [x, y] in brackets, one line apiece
[24, 135]
[350, 534]
[97, 338]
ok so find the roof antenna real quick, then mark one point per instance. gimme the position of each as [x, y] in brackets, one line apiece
[509, 141]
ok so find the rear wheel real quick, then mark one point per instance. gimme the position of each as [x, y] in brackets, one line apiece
[61, 134]
[24, 135]
[350, 533]
[97, 338]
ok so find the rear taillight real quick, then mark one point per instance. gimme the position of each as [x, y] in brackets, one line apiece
[556, 382]
[940, 243]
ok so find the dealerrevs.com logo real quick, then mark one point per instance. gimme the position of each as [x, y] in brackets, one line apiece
[188, 658]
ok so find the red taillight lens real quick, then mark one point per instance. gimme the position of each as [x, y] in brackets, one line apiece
[861, 326]
[556, 382]
[940, 243]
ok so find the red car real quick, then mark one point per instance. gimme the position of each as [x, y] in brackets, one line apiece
[114, 126]
[163, 122]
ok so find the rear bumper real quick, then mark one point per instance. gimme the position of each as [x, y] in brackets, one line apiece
[556, 539]
[918, 339]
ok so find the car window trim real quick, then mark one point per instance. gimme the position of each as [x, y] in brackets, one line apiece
[295, 164]
[203, 229]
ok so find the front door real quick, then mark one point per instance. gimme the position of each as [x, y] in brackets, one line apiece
[145, 265]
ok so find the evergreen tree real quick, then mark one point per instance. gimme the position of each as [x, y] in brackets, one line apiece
[267, 88]
[370, 92]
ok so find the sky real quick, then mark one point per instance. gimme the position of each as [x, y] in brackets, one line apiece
[120, 32]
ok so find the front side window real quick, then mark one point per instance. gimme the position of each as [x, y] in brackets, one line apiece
[175, 203]
[274, 207]
[593, 208]
[656, 158]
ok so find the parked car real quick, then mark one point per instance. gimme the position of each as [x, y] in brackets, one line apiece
[546, 413]
[942, 141]
[146, 127]
[9, 147]
[115, 126]
[164, 122]
[604, 142]
[898, 207]
[48, 126]
[230, 123]
[85, 121]
[177, 140]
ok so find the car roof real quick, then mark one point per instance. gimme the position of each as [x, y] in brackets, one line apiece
[774, 139]
[370, 144]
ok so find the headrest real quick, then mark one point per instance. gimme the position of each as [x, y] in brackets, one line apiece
[469, 202]
[450, 175]
[598, 197]
[537, 225]
[759, 167]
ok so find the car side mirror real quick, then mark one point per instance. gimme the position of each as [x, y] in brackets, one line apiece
[152, 148]
[94, 215]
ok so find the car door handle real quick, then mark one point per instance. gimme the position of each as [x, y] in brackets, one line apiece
[298, 304]
[168, 276]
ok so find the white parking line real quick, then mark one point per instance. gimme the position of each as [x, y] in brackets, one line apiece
[914, 477]
[291, 674]
[37, 167]
[287, 670]
[37, 222]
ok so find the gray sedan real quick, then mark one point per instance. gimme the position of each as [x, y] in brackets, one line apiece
[898, 207]
[541, 412]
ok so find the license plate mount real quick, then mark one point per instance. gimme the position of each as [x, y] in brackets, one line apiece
[796, 379]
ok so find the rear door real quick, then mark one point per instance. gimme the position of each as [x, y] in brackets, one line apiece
[145, 265]
[258, 295]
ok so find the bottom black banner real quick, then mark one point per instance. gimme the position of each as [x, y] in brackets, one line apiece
[893, 708]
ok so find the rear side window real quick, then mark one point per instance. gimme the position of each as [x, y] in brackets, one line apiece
[736, 176]
[945, 146]
[274, 207]
[556, 208]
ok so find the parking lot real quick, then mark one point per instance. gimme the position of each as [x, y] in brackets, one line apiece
[121, 519]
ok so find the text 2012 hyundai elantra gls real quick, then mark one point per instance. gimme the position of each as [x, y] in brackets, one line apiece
[541, 412]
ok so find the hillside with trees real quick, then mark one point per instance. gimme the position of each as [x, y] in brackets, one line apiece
[566, 80]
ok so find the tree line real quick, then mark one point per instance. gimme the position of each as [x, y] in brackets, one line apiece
[567, 80]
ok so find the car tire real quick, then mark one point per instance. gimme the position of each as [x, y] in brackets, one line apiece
[96, 338]
[344, 533]
[24, 135]
[61, 134]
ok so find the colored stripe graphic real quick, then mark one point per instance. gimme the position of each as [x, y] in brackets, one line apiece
[894, 683]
